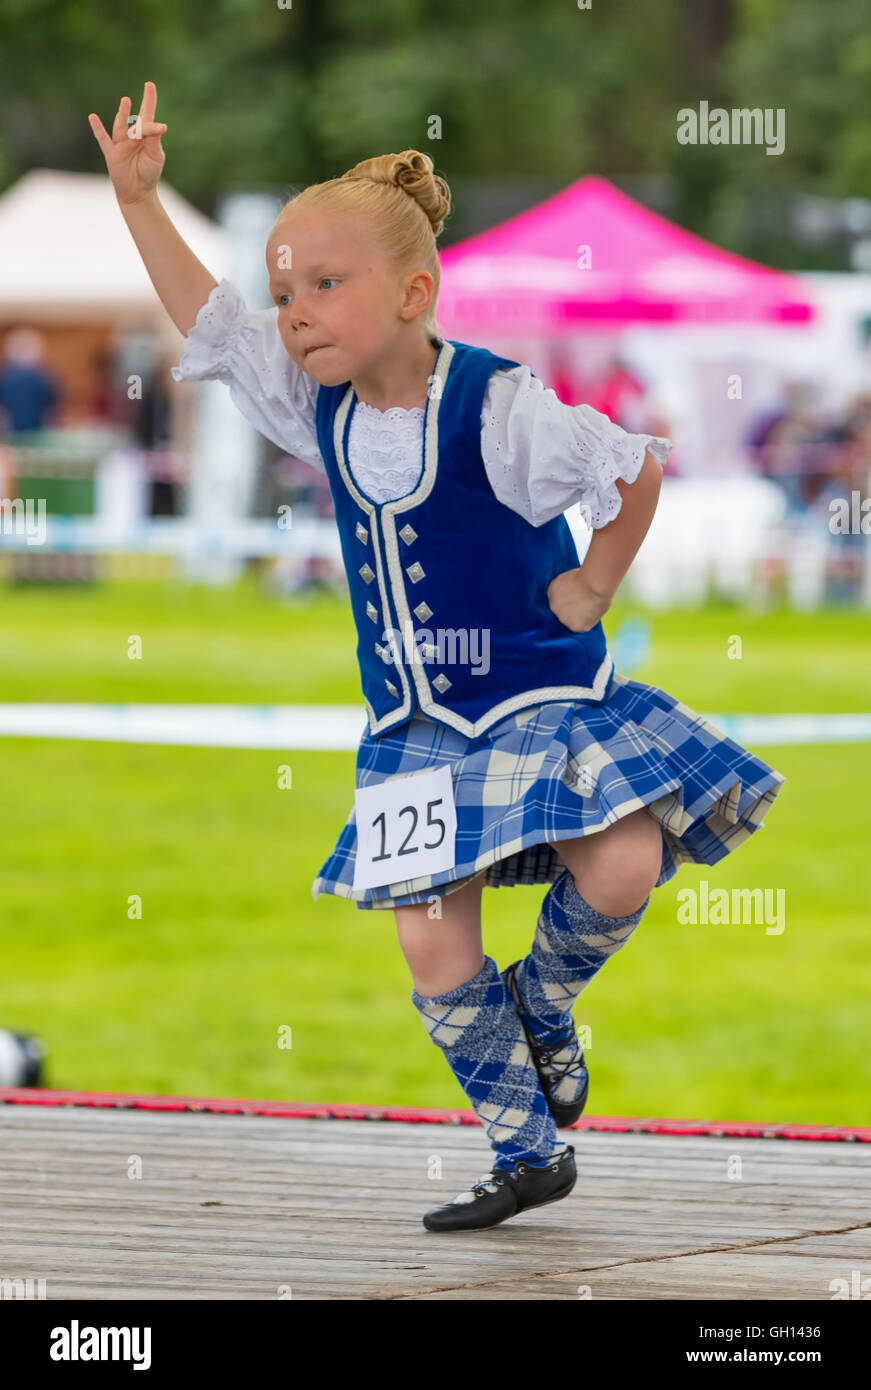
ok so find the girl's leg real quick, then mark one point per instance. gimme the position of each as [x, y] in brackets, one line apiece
[586, 916]
[616, 868]
[469, 1013]
[443, 952]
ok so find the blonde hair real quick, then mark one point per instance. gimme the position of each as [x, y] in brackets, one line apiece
[407, 202]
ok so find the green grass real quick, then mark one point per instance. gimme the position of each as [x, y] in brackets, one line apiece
[200, 644]
[722, 1022]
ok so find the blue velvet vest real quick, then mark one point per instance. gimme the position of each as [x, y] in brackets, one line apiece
[448, 586]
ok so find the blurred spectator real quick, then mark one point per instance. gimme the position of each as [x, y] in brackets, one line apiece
[820, 462]
[850, 472]
[792, 444]
[299, 484]
[563, 377]
[104, 406]
[7, 461]
[855, 454]
[304, 577]
[151, 424]
[620, 395]
[29, 394]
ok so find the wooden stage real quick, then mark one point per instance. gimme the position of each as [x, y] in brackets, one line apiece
[253, 1206]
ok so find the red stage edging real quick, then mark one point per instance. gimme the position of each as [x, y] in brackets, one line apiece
[404, 1114]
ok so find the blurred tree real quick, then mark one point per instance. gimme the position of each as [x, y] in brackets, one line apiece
[703, 29]
[257, 94]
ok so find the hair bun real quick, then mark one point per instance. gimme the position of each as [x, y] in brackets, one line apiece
[412, 171]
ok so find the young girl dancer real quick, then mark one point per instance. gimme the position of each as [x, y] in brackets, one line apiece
[450, 468]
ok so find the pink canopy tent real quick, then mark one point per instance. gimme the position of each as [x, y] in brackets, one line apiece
[524, 276]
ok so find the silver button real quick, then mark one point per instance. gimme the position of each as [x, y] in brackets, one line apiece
[380, 651]
[362, 533]
[371, 611]
[441, 683]
[391, 687]
[408, 533]
[367, 572]
[423, 611]
[415, 571]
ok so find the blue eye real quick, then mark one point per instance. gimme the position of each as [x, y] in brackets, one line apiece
[325, 279]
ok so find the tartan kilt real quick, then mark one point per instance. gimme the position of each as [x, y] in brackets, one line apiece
[562, 769]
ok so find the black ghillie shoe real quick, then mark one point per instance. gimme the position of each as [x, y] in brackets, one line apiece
[561, 1056]
[505, 1192]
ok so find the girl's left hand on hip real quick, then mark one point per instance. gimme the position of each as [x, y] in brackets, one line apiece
[577, 605]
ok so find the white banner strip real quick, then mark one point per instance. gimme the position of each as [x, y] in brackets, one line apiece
[170, 536]
[321, 727]
[336, 727]
[750, 729]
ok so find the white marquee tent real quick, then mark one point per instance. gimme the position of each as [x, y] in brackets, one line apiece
[68, 256]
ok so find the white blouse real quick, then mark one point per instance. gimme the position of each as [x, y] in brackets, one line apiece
[541, 456]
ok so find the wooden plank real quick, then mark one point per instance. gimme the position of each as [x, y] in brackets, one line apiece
[236, 1206]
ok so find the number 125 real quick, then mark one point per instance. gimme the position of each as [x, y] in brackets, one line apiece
[412, 849]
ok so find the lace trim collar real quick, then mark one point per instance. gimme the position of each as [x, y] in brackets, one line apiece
[392, 410]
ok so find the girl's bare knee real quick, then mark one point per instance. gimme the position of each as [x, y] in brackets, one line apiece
[615, 869]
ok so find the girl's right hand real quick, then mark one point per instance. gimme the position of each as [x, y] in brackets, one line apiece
[134, 160]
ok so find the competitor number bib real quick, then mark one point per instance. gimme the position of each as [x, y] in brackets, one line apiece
[406, 827]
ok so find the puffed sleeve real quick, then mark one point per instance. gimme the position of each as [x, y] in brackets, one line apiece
[242, 347]
[542, 456]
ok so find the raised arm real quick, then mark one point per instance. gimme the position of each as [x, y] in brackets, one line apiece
[135, 162]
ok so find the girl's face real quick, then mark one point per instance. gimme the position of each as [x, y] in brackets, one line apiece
[341, 307]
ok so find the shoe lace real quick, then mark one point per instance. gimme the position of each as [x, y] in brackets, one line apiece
[565, 1041]
[488, 1182]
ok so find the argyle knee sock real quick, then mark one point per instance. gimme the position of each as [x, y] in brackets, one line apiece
[477, 1027]
[572, 942]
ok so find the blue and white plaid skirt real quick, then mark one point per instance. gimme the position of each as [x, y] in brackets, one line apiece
[563, 769]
